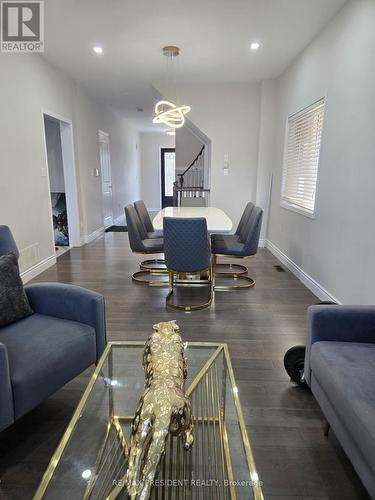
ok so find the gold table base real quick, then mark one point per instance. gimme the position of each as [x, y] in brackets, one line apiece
[203, 473]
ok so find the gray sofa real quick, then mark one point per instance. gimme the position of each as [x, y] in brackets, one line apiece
[340, 370]
[42, 352]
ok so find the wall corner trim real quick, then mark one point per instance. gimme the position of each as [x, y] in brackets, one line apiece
[38, 268]
[306, 279]
[88, 238]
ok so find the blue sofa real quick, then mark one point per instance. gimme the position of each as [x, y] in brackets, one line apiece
[340, 370]
[42, 352]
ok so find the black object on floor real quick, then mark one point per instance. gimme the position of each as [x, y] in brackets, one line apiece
[117, 229]
[279, 268]
[294, 359]
[294, 363]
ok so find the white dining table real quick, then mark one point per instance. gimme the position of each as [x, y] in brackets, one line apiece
[217, 220]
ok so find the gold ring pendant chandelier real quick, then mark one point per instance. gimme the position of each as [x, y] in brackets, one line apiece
[167, 112]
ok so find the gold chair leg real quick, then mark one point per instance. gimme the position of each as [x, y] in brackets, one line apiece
[147, 278]
[233, 270]
[213, 272]
[247, 282]
[154, 265]
[197, 307]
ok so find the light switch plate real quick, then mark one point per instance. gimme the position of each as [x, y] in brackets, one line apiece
[43, 172]
[226, 164]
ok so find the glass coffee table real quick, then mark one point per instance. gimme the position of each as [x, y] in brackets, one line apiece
[91, 459]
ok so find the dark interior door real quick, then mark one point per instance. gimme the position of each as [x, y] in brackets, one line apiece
[168, 176]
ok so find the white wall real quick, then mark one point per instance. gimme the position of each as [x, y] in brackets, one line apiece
[125, 162]
[229, 115]
[187, 147]
[29, 85]
[151, 144]
[337, 247]
[54, 155]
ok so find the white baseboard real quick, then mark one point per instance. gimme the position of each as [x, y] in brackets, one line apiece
[38, 268]
[262, 243]
[306, 279]
[88, 238]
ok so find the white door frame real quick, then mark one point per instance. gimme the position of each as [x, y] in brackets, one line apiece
[106, 136]
[70, 176]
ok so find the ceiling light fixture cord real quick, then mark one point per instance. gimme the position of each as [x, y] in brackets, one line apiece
[167, 112]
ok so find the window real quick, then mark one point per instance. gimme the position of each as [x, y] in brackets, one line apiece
[169, 173]
[301, 162]
[168, 176]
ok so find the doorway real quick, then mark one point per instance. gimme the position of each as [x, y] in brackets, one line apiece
[105, 170]
[168, 175]
[59, 150]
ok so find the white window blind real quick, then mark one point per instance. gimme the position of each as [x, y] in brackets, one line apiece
[301, 162]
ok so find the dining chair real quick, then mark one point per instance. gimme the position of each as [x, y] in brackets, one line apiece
[230, 269]
[245, 245]
[188, 258]
[244, 218]
[140, 243]
[146, 221]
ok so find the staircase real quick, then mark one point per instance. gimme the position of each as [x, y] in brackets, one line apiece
[189, 189]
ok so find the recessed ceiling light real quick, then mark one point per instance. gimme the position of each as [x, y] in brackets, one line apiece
[254, 45]
[97, 49]
[86, 474]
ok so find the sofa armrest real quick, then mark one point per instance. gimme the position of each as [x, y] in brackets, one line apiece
[6, 393]
[338, 324]
[72, 303]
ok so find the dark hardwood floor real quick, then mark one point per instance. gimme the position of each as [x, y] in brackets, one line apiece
[285, 425]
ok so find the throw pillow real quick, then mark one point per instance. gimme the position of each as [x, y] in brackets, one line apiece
[14, 304]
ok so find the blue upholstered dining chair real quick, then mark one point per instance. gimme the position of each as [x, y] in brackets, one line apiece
[42, 352]
[145, 219]
[187, 254]
[141, 243]
[231, 269]
[244, 244]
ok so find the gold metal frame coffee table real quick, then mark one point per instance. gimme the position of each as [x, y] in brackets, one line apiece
[90, 460]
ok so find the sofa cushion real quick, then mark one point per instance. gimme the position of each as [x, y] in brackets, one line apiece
[346, 372]
[14, 304]
[44, 353]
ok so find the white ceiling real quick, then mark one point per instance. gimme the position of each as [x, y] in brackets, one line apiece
[214, 37]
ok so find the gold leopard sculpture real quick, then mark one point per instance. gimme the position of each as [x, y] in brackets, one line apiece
[163, 409]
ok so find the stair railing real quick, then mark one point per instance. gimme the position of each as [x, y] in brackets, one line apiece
[192, 164]
[192, 192]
